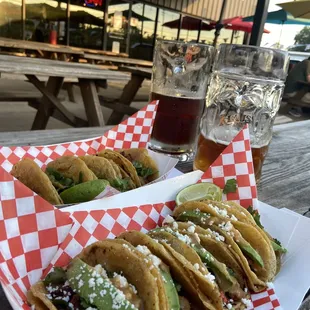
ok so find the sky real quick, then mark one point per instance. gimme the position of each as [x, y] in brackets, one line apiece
[288, 31]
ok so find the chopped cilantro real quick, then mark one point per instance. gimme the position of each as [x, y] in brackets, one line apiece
[142, 171]
[256, 216]
[230, 186]
[121, 184]
[57, 177]
[57, 276]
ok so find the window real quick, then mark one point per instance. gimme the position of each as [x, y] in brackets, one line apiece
[142, 31]
[117, 27]
[168, 24]
[11, 19]
[86, 23]
[45, 21]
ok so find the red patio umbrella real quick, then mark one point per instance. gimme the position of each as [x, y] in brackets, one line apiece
[237, 24]
[188, 23]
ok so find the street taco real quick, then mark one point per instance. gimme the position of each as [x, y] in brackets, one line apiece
[123, 163]
[108, 170]
[144, 164]
[189, 292]
[248, 245]
[67, 171]
[109, 274]
[30, 174]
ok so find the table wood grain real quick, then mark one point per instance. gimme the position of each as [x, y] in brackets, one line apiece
[285, 178]
[38, 66]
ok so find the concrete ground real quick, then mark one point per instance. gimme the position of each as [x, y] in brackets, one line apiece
[18, 116]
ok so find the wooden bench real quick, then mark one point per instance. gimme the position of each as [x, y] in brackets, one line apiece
[87, 76]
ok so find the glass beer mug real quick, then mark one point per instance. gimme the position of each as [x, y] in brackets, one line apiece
[181, 72]
[246, 88]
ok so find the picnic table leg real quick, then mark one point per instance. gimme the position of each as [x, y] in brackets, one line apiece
[46, 109]
[129, 92]
[91, 103]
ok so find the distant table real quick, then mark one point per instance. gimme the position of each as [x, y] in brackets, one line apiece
[285, 178]
[86, 76]
[45, 50]
[95, 58]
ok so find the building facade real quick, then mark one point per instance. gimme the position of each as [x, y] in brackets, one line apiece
[114, 25]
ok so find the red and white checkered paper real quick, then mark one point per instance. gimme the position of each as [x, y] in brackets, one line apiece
[132, 133]
[21, 244]
[235, 162]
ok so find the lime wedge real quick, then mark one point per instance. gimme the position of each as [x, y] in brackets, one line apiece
[199, 191]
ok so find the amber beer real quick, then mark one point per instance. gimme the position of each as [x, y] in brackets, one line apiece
[177, 121]
[208, 151]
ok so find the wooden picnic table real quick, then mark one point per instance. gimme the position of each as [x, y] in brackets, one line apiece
[45, 50]
[86, 76]
[285, 177]
[94, 58]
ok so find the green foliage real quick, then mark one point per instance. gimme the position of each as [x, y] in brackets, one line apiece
[303, 36]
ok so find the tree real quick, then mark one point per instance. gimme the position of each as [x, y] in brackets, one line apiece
[303, 36]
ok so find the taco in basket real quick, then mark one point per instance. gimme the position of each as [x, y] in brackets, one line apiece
[67, 171]
[124, 164]
[108, 170]
[109, 274]
[145, 166]
[252, 217]
[189, 292]
[30, 174]
[248, 245]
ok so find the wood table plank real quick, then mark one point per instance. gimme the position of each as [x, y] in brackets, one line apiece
[36, 66]
[38, 46]
[118, 60]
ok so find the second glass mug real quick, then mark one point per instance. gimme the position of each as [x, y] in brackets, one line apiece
[180, 77]
[246, 88]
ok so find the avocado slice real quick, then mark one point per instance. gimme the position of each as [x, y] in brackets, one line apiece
[224, 279]
[83, 192]
[200, 218]
[95, 289]
[171, 291]
[250, 252]
[277, 247]
[194, 216]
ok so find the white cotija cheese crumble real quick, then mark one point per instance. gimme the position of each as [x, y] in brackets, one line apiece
[126, 246]
[91, 297]
[210, 277]
[103, 293]
[196, 266]
[101, 271]
[143, 249]
[217, 236]
[229, 306]
[154, 259]
[121, 279]
[247, 302]
[183, 238]
[233, 218]
[226, 226]
[168, 220]
[133, 288]
[81, 283]
[175, 225]
[91, 308]
[91, 282]
[191, 229]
